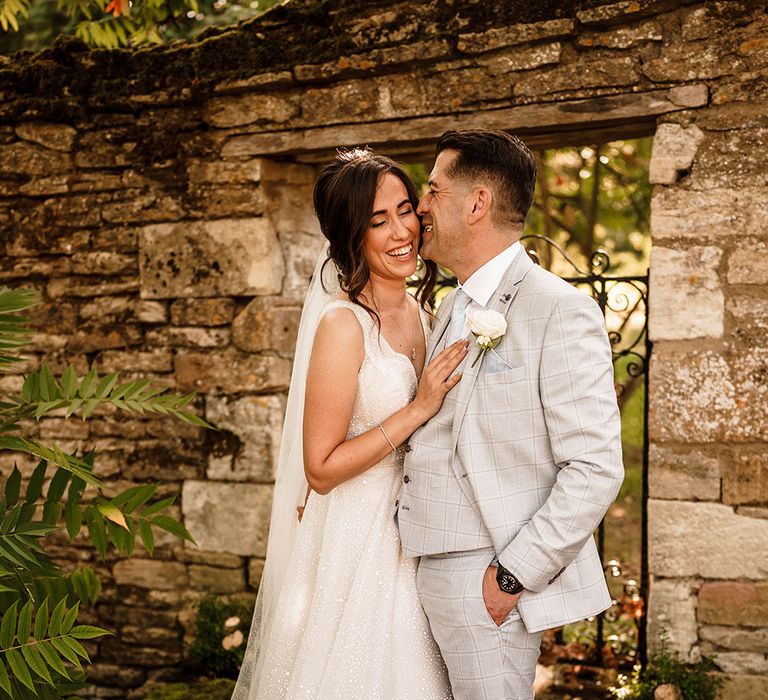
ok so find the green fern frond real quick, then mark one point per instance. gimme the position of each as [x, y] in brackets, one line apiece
[14, 329]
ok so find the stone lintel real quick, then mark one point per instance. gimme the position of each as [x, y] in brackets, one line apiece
[597, 112]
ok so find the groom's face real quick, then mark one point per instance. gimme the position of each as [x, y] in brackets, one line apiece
[441, 210]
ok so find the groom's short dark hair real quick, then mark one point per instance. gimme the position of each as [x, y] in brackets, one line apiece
[499, 160]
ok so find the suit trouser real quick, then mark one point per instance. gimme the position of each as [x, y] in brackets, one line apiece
[485, 661]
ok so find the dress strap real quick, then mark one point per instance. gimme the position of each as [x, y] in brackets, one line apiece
[363, 316]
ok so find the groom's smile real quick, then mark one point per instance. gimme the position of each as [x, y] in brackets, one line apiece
[437, 208]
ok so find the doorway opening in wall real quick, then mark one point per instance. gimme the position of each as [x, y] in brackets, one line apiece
[590, 224]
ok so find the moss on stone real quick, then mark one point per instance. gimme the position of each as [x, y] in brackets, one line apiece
[68, 81]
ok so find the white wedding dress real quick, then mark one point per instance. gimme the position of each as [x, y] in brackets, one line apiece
[348, 623]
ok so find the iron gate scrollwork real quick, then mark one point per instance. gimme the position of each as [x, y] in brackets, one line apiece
[623, 300]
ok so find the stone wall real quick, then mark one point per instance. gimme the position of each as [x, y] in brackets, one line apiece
[160, 201]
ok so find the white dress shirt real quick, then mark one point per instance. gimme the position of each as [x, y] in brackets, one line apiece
[484, 281]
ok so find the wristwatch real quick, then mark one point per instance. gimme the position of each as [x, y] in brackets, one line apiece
[508, 581]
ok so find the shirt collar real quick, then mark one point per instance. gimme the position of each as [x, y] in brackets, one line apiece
[483, 282]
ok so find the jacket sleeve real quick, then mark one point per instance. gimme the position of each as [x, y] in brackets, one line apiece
[584, 427]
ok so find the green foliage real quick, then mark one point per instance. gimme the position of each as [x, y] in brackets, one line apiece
[219, 624]
[34, 645]
[40, 653]
[34, 24]
[694, 681]
[216, 689]
[595, 197]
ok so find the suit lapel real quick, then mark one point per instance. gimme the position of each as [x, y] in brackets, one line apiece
[500, 301]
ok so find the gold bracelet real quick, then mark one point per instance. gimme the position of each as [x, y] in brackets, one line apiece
[391, 444]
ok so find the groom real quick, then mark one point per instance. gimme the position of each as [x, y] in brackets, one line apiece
[505, 486]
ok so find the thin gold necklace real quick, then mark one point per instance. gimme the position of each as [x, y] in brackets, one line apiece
[410, 342]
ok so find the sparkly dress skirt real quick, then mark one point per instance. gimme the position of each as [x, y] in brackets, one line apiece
[348, 623]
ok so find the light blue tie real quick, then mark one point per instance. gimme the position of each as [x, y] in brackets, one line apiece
[458, 314]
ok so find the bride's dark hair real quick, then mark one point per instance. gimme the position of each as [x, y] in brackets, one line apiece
[343, 198]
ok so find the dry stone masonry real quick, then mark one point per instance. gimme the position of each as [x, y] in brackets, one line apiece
[160, 202]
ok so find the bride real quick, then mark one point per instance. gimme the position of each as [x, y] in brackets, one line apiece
[337, 614]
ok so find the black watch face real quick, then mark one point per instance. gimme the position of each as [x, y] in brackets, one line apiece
[509, 583]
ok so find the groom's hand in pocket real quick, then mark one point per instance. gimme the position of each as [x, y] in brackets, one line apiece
[498, 603]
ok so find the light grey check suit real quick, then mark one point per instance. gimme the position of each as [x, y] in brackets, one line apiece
[524, 456]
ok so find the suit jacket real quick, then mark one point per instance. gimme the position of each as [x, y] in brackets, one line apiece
[532, 437]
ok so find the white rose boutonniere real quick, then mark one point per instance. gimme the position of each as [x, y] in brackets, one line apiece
[488, 327]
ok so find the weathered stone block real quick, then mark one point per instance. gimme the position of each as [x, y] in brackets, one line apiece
[739, 687]
[707, 540]
[193, 337]
[705, 396]
[611, 12]
[24, 268]
[271, 79]
[95, 181]
[220, 560]
[72, 429]
[144, 208]
[748, 262]
[733, 638]
[150, 573]
[745, 479]
[704, 60]
[118, 426]
[103, 263]
[710, 19]
[58, 137]
[508, 62]
[742, 662]
[224, 171]
[267, 324]
[674, 148]
[89, 339]
[122, 240]
[108, 308]
[373, 61]
[56, 184]
[156, 360]
[211, 258]
[217, 202]
[255, 108]
[152, 312]
[753, 512]
[106, 149]
[499, 37]
[112, 649]
[257, 423]
[749, 319]
[231, 371]
[202, 312]
[687, 300]
[689, 95]
[586, 74]
[295, 222]
[672, 607]
[711, 214]
[135, 634]
[29, 159]
[731, 159]
[683, 475]
[34, 241]
[623, 37]
[255, 571]
[114, 674]
[231, 518]
[214, 580]
[341, 102]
